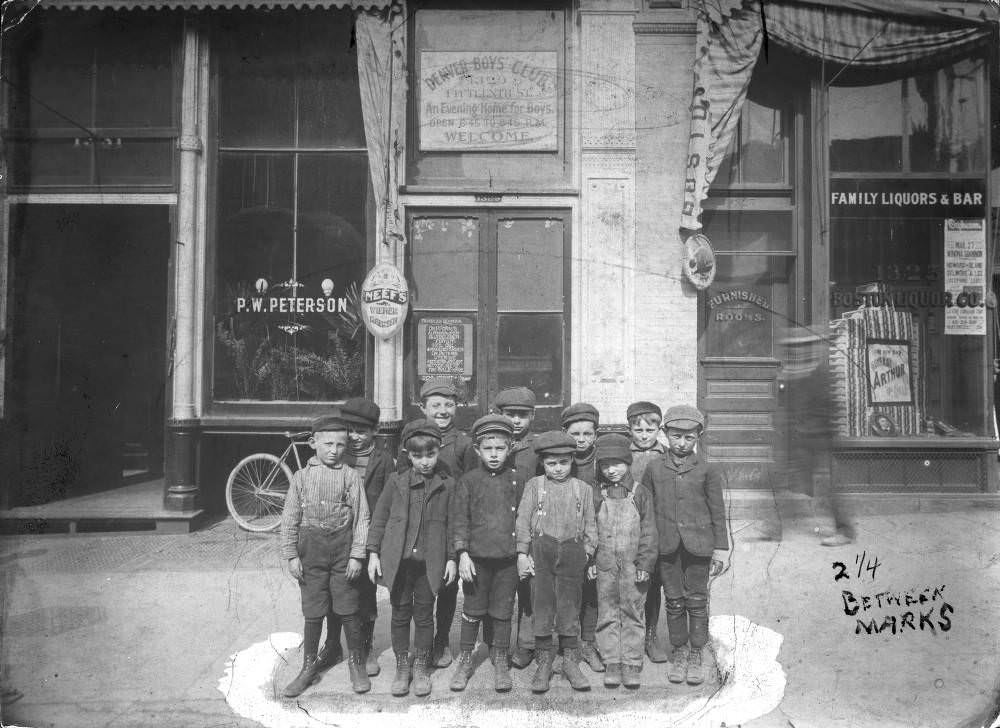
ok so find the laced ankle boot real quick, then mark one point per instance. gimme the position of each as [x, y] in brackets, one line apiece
[359, 678]
[502, 681]
[308, 675]
[401, 681]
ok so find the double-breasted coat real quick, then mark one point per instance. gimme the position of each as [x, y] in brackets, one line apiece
[689, 504]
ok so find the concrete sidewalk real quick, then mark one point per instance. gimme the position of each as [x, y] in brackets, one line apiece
[132, 630]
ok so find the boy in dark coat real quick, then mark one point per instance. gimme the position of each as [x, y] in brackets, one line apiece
[691, 524]
[324, 527]
[579, 421]
[410, 548]
[644, 420]
[374, 464]
[485, 513]
[626, 555]
[556, 538]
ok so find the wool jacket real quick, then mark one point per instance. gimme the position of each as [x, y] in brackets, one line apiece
[387, 533]
[586, 468]
[456, 454]
[648, 551]
[689, 505]
[380, 467]
[485, 512]
[641, 458]
[523, 457]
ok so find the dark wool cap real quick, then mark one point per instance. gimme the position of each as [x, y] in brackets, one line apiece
[441, 385]
[328, 423]
[614, 447]
[683, 417]
[516, 398]
[642, 408]
[360, 411]
[420, 427]
[492, 423]
[580, 411]
[554, 442]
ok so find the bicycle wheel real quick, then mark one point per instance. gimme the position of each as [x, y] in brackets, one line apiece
[255, 491]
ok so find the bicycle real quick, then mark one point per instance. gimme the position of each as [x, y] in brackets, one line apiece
[256, 488]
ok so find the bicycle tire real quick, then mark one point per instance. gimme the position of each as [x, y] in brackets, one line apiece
[255, 491]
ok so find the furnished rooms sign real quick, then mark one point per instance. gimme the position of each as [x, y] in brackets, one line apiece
[489, 101]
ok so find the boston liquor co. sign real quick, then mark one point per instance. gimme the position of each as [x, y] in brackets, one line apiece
[384, 299]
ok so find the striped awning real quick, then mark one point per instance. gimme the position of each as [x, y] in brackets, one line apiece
[213, 4]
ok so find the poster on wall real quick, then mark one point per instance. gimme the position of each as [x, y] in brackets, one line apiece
[965, 276]
[889, 376]
[445, 346]
[488, 101]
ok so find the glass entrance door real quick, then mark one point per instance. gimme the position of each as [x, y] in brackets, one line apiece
[490, 306]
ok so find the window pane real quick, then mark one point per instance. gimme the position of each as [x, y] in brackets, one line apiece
[762, 148]
[444, 262]
[744, 232]
[866, 126]
[946, 119]
[48, 163]
[135, 162]
[134, 74]
[529, 264]
[530, 354]
[329, 96]
[445, 346]
[257, 72]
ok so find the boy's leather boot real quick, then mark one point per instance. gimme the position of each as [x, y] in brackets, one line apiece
[654, 652]
[571, 670]
[540, 682]
[590, 656]
[613, 675]
[304, 679]
[442, 651]
[359, 678]
[630, 676]
[372, 668]
[522, 657]
[401, 681]
[330, 655]
[695, 670]
[677, 670]
[421, 674]
[502, 681]
[463, 671]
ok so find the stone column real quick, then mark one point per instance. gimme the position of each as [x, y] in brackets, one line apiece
[181, 486]
[604, 313]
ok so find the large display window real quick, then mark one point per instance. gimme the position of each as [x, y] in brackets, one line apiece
[908, 256]
[292, 206]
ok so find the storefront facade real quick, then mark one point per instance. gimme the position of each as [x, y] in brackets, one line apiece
[524, 167]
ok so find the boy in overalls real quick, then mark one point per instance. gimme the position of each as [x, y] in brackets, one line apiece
[556, 537]
[626, 555]
[324, 528]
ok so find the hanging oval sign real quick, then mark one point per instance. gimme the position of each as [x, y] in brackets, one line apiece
[384, 299]
[699, 261]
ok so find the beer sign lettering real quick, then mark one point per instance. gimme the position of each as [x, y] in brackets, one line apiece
[384, 299]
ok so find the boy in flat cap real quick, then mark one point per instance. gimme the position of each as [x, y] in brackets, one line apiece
[579, 421]
[556, 537]
[374, 464]
[691, 525]
[626, 554]
[518, 405]
[485, 513]
[410, 548]
[324, 527]
[644, 420]
[439, 402]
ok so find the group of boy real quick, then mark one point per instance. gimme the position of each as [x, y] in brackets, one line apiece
[580, 531]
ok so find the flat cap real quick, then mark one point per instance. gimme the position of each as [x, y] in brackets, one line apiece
[517, 398]
[554, 442]
[642, 408]
[580, 411]
[683, 417]
[613, 447]
[492, 423]
[420, 427]
[439, 385]
[327, 423]
[361, 411]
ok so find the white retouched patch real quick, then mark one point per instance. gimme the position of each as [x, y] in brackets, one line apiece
[753, 685]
